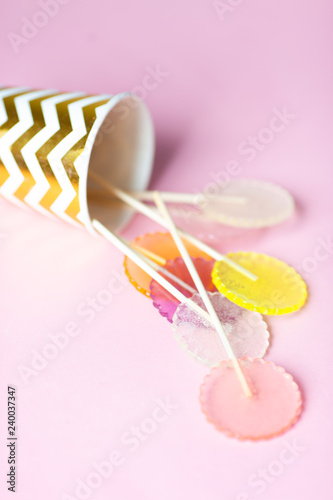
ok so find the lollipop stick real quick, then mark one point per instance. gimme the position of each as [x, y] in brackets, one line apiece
[186, 198]
[100, 198]
[152, 214]
[161, 262]
[178, 198]
[175, 278]
[157, 259]
[203, 292]
[148, 267]
[151, 255]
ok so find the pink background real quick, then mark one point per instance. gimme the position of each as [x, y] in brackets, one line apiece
[225, 78]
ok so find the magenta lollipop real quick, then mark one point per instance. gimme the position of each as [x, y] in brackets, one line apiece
[167, 303]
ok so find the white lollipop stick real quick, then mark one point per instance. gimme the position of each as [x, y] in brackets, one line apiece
[151, 255]
[148, 267]
[152, 214]
[203, 292]
[179, 198]
[188, 198]
[161, 262]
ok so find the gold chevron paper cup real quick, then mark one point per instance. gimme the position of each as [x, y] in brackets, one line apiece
[49, 140]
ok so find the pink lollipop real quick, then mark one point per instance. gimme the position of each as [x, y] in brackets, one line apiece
[167, 303]
[274, 407]
[246, 330]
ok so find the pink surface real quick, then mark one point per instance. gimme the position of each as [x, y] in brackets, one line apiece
[223, 81]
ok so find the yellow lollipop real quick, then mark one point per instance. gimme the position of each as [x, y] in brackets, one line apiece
[279, 289]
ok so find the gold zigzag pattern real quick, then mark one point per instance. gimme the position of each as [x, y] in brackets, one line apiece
[89, 114]
[39, 124]
[65, 129]
[12, 119]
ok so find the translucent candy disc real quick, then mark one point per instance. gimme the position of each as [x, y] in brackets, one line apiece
[246, 330]
[265, 204]
[161, 244]
[279, 289]
[274, 407]
[163, 300]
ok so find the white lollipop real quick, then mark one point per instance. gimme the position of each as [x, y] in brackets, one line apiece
[265, 204]
[246, 331]
[243, 203]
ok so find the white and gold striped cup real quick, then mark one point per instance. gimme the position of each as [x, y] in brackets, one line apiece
[49, 140]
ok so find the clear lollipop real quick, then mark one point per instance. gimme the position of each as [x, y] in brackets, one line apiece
[246, 203]
[246, 331]
[265, 204]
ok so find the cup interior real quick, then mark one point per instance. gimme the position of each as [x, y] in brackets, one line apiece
[122, 154]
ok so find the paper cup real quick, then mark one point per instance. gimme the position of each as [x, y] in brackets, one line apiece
[49, 140]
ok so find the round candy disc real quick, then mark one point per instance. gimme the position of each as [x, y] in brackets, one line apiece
[265, 204]
[161, 244]
[279, 289]
[246, 331]
[167, 303]
[274, 407]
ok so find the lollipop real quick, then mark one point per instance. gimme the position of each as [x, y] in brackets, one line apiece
[266, 204]
[167, 303]
[235, 408]
[246, 331]
[274, 407]
[246, 203]
[164, 249]
[279, 289]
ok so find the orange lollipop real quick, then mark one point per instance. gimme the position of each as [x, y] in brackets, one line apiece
[162, 245]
